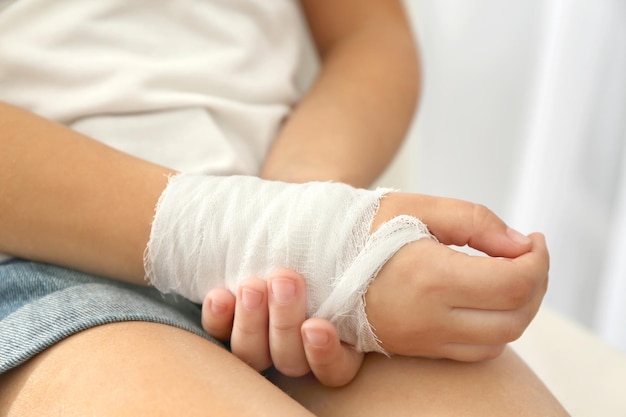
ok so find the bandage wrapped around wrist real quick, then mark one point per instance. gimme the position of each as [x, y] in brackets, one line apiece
[211, 231]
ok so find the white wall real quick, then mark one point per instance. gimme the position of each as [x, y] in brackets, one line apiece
[524, 110]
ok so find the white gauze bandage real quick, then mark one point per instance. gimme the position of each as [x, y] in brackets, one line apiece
[213, 232]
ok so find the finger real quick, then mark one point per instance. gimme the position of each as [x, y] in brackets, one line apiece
[481, 229]
[509, 284]
[218, 310]
[458, 222]
[333, 363]
[481, 327]
[488, 283]
[476, 326]
[249, 339]
[287, 306]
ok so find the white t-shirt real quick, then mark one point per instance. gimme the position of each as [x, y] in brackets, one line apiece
[198, 86]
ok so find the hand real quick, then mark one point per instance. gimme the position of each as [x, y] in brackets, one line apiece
[266, 325]
[429, 300]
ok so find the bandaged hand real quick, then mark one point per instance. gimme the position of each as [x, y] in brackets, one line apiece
[413, 319]
[213, 232]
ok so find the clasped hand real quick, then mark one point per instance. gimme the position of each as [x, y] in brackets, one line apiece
[428, 300]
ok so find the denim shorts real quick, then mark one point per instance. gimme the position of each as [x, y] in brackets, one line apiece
[42, 304]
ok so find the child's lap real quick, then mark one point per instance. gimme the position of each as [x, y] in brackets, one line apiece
[42, 304]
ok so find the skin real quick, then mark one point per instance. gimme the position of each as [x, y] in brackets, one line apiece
[354, 118]
[429, 387]
[52, 212]
[467, 311]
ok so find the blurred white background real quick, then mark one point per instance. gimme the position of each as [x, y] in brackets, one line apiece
[524, 110]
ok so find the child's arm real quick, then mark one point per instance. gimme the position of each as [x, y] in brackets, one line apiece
[354, 118]
[70, 200]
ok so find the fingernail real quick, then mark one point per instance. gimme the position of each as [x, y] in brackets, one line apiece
[283, 290]
[517, 236]
[251, 299]
[217, 307]
[316, 337]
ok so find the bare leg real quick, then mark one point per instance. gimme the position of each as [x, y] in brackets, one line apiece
[149, 369]
[403, 386]
[136, 369]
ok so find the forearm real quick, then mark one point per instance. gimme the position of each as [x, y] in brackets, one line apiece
[351, 123]
[72, 201]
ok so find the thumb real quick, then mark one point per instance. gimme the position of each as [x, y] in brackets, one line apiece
[458, 222]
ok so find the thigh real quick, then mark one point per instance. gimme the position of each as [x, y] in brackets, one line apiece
[402, 386]
[139, 368]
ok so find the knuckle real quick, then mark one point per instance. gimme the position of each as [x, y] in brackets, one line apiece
[280, 327]
[520, 292]
[480, 215]
[246, 329]
[525, 285]
[516, 297]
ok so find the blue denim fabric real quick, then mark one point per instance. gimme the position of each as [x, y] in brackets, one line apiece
[42, 304]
